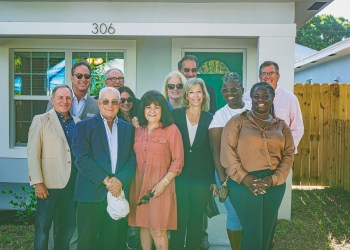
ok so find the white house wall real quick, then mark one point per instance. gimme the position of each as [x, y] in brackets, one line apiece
[122, 12]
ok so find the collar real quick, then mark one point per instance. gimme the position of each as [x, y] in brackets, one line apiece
[85, 97]
[105, 120]
[61, 116]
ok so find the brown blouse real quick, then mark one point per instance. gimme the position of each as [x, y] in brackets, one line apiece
[246, 147]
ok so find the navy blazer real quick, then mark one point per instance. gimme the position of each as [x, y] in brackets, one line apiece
[90, 148]
[199, 164]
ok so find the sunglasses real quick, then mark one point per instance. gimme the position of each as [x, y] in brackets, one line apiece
[178, 86]
[129, 99]
[233, 90]
[194, 70]
[79, 76]
[113, 102]
[146, 198]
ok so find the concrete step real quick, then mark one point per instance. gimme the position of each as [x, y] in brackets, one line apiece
[217, 234]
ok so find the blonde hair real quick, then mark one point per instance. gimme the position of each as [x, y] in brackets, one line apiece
[166, 79]
[193, 82]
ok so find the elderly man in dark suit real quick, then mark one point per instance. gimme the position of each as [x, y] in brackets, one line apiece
[83, 105]
[103, 147]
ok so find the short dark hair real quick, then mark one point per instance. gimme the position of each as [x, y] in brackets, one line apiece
[157, 98]
[133, 111]
[267, 64]
[269, 89]
[80, 63]
[232, 77]
[61, 87]
[185, 58]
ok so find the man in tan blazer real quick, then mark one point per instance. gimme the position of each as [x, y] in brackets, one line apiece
[52, 171]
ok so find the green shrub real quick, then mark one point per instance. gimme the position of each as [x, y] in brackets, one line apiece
[26, 204]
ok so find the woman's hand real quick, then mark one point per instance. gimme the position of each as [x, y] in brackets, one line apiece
[252, 183]
[135, 122]
[214, 188]
[158, 189]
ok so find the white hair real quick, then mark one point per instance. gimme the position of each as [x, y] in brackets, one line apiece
[104, 90]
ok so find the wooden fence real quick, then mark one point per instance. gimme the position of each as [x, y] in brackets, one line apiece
[323, 153]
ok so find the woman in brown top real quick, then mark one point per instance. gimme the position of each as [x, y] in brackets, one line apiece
[159, 158]
[257, 152]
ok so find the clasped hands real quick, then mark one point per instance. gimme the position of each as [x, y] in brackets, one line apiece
[257, 185]
[113, 185]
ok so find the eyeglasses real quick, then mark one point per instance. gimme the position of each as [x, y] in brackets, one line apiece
[268, 73]
[178, 86]
[233, 90]
[194, 70]
[129, 99]
[113, 102]
[114, 79]
[79, 76]
[146, 198]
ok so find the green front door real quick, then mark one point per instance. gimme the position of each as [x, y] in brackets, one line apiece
[213, 65]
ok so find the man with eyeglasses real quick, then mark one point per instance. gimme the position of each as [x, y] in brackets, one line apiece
[83, 105]
[114, 78]
[105, 159]
[285, 103]
[188, 66]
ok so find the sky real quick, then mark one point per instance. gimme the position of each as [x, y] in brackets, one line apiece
[338, 8]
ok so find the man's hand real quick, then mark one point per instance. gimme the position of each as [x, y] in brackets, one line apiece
[41, 191]
[114, 186]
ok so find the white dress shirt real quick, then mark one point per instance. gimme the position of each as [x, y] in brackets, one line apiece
[78, 106]
[112, 138]
[287, 107]
[192, 130]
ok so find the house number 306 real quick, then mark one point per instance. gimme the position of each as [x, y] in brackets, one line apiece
[103, 28]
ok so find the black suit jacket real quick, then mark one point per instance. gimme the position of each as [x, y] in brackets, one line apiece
[199, 164]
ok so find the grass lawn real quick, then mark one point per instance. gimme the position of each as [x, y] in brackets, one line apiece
[320, 221]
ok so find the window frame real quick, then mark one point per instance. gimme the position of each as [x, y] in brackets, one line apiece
[8, 149]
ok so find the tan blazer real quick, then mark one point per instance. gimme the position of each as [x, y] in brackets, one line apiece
[49, 156]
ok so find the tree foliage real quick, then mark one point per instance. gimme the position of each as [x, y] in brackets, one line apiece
[322, 31]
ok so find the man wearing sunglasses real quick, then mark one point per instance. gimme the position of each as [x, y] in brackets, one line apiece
[188, 66]
[105, 159]
[83, 105]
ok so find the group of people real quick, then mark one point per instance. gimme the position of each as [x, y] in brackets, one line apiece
[167, 153]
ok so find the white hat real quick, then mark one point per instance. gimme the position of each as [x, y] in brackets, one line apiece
[118, 207]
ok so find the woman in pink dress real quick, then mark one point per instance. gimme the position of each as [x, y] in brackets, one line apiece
[159, 158]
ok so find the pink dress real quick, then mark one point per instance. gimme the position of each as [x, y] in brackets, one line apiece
[156, 154]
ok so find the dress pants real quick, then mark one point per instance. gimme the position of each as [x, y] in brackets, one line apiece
[192, 197]
[97, 230]
[60, 208]
[258, 214]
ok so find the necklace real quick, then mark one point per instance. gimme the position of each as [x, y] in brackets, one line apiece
[259, 117]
